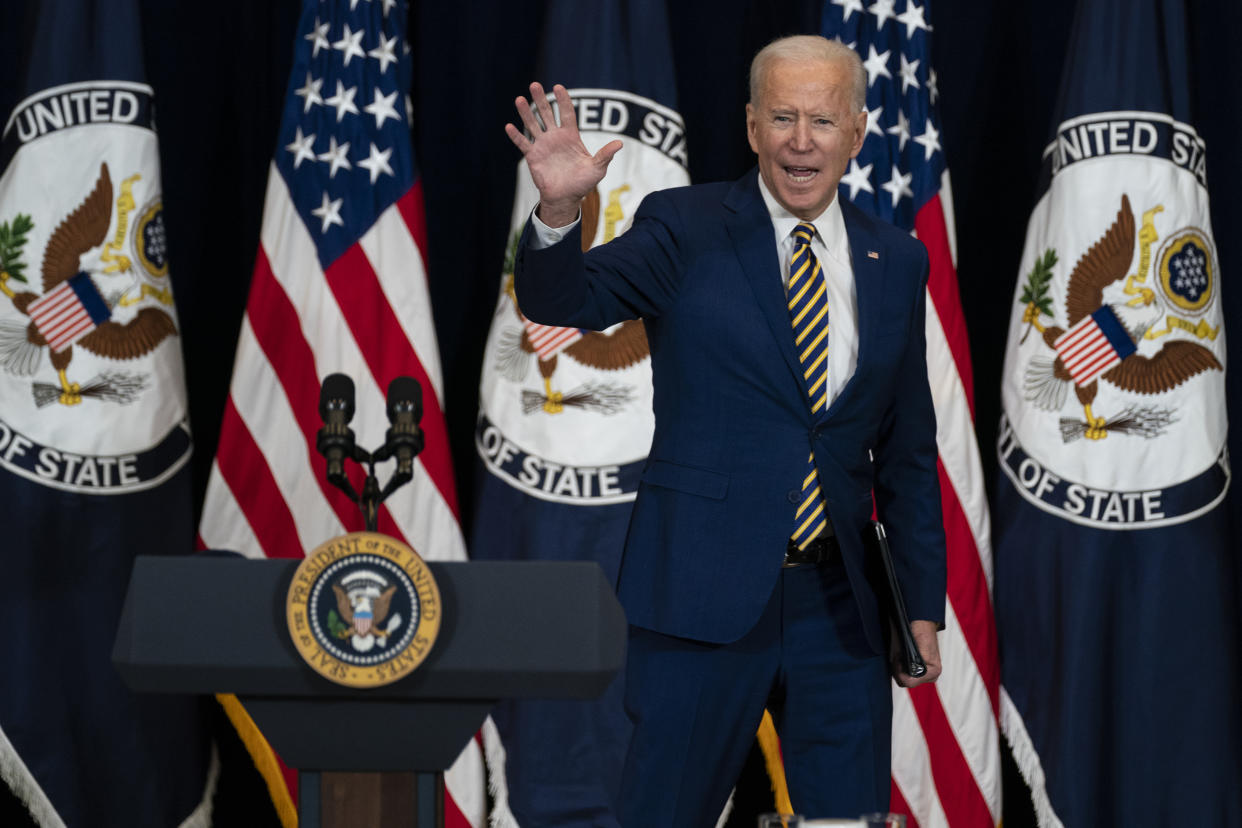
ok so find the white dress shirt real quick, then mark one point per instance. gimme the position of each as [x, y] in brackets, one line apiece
[831, 247]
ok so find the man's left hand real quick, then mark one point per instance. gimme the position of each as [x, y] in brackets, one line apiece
[924, 633]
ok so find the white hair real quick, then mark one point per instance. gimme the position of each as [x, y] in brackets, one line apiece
[809, 48]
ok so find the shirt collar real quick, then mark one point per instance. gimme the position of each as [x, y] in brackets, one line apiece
[830, 224]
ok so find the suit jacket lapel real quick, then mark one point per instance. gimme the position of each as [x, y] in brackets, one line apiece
[750, 228]
[868, 287]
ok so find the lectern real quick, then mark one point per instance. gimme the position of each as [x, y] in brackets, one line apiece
[207, 624]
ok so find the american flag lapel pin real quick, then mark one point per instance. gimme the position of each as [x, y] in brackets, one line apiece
[871, 254]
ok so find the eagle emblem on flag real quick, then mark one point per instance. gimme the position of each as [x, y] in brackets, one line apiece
[612, 350]
[85, 278]
[1101, 341]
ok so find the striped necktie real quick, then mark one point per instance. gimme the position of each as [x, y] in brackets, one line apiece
[808, 311]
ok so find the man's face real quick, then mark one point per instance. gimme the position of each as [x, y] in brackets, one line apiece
[804, 129]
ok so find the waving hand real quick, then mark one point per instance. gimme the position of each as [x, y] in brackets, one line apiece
[562, 168]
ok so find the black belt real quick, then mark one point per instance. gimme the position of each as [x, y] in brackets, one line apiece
[818, 551]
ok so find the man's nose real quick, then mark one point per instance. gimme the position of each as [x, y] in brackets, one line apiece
[800, 137]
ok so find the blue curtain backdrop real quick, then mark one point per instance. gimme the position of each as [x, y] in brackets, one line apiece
[219, 72]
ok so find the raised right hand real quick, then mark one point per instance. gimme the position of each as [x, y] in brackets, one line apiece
[562, 168]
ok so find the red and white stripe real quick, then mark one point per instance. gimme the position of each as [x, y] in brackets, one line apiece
[60, 317]
[946, 756]
[1085, 351]
[549, 340]
[367, 315]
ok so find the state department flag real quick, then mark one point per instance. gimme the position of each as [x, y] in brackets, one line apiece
[565, 419]
[94, 440]
[945, 752]
[339, 285]
[1114, 576]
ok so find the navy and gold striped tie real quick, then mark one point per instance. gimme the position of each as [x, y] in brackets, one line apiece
[808, 311]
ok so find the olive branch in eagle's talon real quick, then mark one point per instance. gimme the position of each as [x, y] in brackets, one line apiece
[1035, 293]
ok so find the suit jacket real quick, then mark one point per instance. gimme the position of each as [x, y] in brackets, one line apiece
[716, 504]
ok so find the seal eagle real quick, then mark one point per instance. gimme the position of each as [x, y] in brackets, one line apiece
[81, 232]
[622, 347]
[1105, 263]
[364, 609]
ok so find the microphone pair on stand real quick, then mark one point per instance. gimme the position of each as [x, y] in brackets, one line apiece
[403, 440]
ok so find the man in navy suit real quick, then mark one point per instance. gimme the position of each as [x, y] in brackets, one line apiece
[745, 577]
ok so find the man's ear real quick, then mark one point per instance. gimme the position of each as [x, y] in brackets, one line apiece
[860, 133]
[751, 123]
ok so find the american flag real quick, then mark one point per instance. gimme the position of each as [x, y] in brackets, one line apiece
[339, 285]
[1095, 344]
[68, 312]
[946, 761]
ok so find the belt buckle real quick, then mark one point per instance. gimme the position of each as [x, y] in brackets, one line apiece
[816, 551]
[792, 548]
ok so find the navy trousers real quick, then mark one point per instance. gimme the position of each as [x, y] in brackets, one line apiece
[696, 707]
[565, 768]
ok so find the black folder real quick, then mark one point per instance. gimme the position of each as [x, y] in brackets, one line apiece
[895, 605]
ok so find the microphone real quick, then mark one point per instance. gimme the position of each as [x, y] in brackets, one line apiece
[335, 440]
[405, 409]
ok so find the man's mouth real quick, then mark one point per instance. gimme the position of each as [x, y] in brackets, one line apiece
[801, 175]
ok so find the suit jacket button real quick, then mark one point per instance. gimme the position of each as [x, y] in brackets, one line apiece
[795, 496]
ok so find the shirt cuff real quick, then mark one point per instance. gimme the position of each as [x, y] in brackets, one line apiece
[546, 236]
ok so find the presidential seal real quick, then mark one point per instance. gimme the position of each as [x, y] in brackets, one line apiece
[363, 610]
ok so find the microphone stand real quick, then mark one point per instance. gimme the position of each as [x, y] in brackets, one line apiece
[371, 496]
[403, 441]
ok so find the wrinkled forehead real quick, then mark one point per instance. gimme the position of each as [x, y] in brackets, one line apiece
[805, 84]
